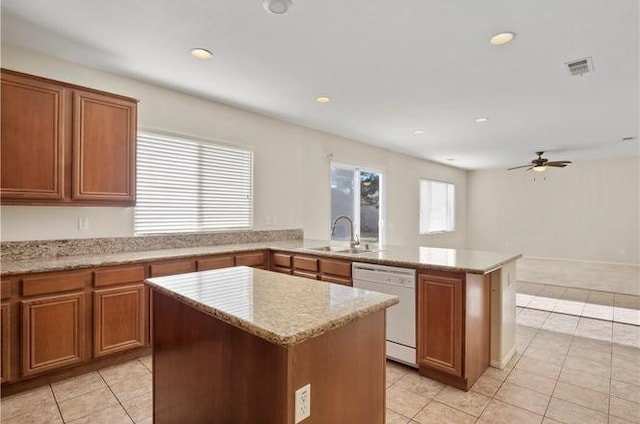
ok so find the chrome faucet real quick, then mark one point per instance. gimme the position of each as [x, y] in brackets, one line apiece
[355, 241]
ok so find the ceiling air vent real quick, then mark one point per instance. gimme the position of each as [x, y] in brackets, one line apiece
[580, 67]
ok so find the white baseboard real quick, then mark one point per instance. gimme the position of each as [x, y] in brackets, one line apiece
[504, 361]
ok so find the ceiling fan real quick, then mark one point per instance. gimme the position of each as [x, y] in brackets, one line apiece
[539, 164]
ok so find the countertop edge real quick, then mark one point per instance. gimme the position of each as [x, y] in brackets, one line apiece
[268, 335]
[157, 255]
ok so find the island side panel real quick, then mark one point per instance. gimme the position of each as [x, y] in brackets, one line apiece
[346, 369]
[205, 370]
[477, 326]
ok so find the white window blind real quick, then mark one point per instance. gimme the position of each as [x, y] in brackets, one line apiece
[436, 206]
[191, 185]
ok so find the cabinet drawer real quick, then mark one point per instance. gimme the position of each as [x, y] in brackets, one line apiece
[337, 280]
[32, 286]
[171, 268]
[215, 263]
[250, 259]
[281, 260]
[304, 274]
[108, 277]
[307, 264]
[339, 268]
[282, 270]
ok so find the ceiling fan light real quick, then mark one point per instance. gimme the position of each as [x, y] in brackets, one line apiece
[539, 168]
[502, 38]
[277, 7]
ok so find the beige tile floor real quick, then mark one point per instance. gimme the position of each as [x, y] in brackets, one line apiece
[572, 370]
[113, 395]
[622, 308]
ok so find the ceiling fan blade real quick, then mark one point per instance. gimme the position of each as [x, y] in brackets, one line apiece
[566, 162]
[556, 164]
[518, 167]
[530, 168]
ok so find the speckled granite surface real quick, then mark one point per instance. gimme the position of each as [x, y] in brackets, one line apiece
[457, 260]
[281, 309]
[20, 250]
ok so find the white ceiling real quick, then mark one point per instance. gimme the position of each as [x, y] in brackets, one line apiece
[390, 67]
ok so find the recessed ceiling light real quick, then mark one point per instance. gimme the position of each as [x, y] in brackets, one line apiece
[502, 38]
[418, 132]
[323, 99]
[277, 7]
[202, 54]
[482, 119]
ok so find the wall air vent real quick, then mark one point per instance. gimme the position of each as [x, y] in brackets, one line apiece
[580, 67]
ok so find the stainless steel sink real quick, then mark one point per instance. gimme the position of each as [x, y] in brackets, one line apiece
[325, 248]
[355, 250]
[340, 249]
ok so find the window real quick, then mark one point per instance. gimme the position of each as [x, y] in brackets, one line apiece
[436, 207]
[357, 193]
[186, 185]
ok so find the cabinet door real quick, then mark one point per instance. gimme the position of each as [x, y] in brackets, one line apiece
[5, 352]
[440, 323]
[118, 319]
[104, 136]
[53, 332]
[33, 139]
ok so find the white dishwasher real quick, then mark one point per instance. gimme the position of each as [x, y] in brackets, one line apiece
[401, 318]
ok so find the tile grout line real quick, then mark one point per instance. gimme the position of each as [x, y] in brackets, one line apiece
[544, 415]
[114, 395]
[55, 399]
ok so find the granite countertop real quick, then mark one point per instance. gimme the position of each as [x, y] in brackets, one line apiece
[457, 260]
[281, 309]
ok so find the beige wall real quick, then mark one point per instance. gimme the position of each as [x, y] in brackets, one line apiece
[587, 211]
[291, 164]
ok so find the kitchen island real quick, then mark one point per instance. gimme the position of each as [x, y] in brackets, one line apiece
[235, 344]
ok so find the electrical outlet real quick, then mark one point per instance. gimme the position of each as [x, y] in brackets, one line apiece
[303, 403]
[83, 223]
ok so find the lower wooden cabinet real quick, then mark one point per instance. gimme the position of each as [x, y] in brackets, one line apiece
[118, 319]
[440, 323]
[5, 347]
[53, 332]
[337, 271]
[453, 326]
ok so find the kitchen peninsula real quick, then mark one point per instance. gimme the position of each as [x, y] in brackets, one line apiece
[236, 344]
[69, 306]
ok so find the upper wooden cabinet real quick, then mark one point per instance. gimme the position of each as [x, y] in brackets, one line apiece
[65, 145]
[33, 138]
[104, 147]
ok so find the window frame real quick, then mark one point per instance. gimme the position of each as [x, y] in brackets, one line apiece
[177, 138]
[357, 200]
[451, 201]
